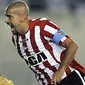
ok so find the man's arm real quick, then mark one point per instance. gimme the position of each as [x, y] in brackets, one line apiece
[58, 36]
[71, 48]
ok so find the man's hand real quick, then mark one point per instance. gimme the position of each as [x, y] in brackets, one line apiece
[58, 76]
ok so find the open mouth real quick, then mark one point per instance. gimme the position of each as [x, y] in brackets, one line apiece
[13, 30]
[10, 24]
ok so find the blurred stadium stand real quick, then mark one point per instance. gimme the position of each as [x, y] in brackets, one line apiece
[37, 5]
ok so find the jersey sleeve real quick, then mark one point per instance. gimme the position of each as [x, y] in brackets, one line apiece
[53, 33]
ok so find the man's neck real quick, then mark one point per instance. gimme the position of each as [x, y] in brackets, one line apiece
[25, 27]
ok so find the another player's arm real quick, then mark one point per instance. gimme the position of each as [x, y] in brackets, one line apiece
[5, 81]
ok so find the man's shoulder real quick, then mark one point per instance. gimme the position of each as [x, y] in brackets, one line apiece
[38, 21]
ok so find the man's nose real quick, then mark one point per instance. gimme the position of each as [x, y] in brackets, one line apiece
[6, 20]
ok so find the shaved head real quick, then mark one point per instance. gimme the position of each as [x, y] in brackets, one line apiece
[18, 7]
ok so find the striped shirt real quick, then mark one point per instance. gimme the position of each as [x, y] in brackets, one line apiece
[41, 53]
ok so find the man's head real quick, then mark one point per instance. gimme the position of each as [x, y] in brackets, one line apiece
[16, 14]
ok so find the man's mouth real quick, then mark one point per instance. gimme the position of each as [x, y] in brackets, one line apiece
[12, 27]
[10, 24]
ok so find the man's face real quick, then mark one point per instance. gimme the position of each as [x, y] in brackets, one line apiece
[13, 21]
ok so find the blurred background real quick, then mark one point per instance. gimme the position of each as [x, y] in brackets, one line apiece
[69, 15]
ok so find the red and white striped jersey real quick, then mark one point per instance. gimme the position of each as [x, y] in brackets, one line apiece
[40, 52]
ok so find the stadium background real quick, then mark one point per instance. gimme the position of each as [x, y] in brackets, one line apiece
[72, 21]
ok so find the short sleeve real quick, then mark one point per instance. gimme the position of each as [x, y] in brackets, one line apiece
[53, 33]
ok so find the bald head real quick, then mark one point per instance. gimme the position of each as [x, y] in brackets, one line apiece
[18, 7]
